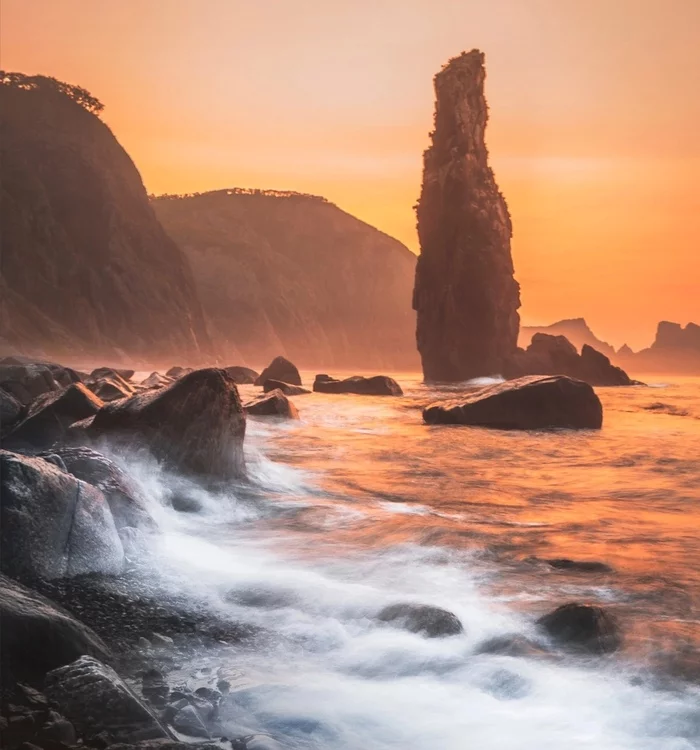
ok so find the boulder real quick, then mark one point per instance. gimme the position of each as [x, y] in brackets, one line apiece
[377, 385]
[37, 635]
[528, 403]
[156, 380]
[272, 404]
[286, 388]
[48, 417]
[27, 381]
[96, 699]
[465, 295]
[433, 622]
[280, 369]
[177, 372]
[110, 372]
[195, 425]
[126, 500]
[188, 721]
[52, 524]
[110, 387]
[242, 375]
[10, 410]
[582, 627]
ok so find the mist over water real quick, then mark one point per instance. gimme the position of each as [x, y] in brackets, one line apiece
[359, 505]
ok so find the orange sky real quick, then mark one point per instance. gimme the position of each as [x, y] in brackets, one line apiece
[594, 132]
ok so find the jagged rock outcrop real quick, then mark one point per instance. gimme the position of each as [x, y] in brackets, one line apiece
[675, 349]
[86, 266]
[294, 274]
[576, 330]
[465, 295]
[529, 403]
[556, 355]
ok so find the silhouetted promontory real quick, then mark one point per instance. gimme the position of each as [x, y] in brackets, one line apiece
[292, 274]
[465, 294]
[86, 266]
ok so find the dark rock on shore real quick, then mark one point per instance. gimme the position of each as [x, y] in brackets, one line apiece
[37, 635]
[272, 404]
[377, 385]
[108, 372]
[156, 380]
[48, 417]
[53, 525]
[126, 501]
[433, 622]
[109, 386]
[10, 410]
[178, 372]
[286, 388]
[582, 627]
[194, 425]
[242, 375]
[280, 369]
[556, 355]
[528, 403]
[465, 294]
[96, 699]
[27, 381]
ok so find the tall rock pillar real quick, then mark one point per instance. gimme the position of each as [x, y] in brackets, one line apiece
[465, 294]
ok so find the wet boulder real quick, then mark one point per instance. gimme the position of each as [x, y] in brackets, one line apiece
[242, 375]
[512, 644]
[52, 524]
[126, 500]
[110, 372]
[27, 381]
[10, 410]
[156, 380]
[96, 699]
[272, 404]
[287, 388]
[377, 385]
[280, 369]
[110, 385]
[194, 426]
[582, 627]
[37, 635]
[48, 417]
[425, 619]
[528, 403]
[177, 372]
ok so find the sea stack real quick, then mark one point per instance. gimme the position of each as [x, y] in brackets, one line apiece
[465, 294]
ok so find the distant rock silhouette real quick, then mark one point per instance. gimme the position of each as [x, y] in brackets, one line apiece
[675, 349]
[576, 330]
[465, 294]
[86, 266]
[287, 273]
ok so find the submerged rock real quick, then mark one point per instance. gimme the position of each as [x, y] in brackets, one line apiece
[242, 375]
[194, 425]
[280, 369]
[48, 417]
[286, 388]
[432, 621]
[37, 635]
[96, 699]
[188, 721]
[578, 566]
[377, 385]
[52, 524]
[582, 627]
[272, 404]
[465, 294]
[528, 403]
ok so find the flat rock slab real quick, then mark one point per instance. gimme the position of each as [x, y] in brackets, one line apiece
[528, 403]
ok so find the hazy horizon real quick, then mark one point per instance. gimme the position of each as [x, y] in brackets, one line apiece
[593, 131]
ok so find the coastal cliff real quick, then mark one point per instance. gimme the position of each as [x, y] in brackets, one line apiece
[465, 294]
[293, 274]
[87, 269]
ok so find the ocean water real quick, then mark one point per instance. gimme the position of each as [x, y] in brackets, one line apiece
[359, 504]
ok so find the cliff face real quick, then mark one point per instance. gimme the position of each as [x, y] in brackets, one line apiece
[576, 331]
[87, 269]
[293, 275]
[465, 294]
